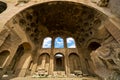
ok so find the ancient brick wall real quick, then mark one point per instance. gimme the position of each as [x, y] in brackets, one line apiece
[114, 5]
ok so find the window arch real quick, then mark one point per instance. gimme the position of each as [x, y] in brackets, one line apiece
[59, 42]
[47, 42]
[70, 43]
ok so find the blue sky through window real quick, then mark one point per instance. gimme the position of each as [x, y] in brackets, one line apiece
[70, 43]
[59, 43]
[47, 42]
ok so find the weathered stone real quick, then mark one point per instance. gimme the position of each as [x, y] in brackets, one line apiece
[102, 3]
[21, 2]
[114, 7]
[26, 27]
[105, 60]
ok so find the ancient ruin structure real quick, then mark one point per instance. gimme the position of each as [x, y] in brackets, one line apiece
[94, 30]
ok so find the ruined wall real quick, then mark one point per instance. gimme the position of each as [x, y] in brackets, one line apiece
[102, 3]
[114, 5]
[27, 23]
[106, 60]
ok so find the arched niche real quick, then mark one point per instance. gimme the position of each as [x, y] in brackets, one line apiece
[3, 6]
[74, 62]
[15, 61]
[4, 55]
[59, 62]
[88, 62]
[44, 62]
[93, 46]
[21, 59]
[26, 46]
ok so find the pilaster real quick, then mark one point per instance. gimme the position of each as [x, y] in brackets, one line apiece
[51, 68]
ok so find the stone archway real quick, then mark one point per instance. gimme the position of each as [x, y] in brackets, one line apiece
[16, 58]
[53, 20]
[91, 47]
[21, 60]
[74, 62]
[44, 62]
[59, 62]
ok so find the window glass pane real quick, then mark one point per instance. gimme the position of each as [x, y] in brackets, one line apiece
[59, 42]
[71, 43]
[47, 42]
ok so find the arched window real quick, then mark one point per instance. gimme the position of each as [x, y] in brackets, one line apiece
[59, 43]
[47, 42]
[71, 43]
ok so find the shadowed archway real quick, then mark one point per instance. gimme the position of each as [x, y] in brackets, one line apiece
[74, 62]
[44, 62]
[21, 60]
[59, 62]
[4, 55]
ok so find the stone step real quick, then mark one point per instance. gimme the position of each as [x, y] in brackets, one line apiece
[29, 78]
[59, 74]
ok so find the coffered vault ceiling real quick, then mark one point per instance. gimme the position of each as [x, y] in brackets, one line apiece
[59, 18]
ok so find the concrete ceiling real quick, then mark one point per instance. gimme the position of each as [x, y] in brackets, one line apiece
[59, 18]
